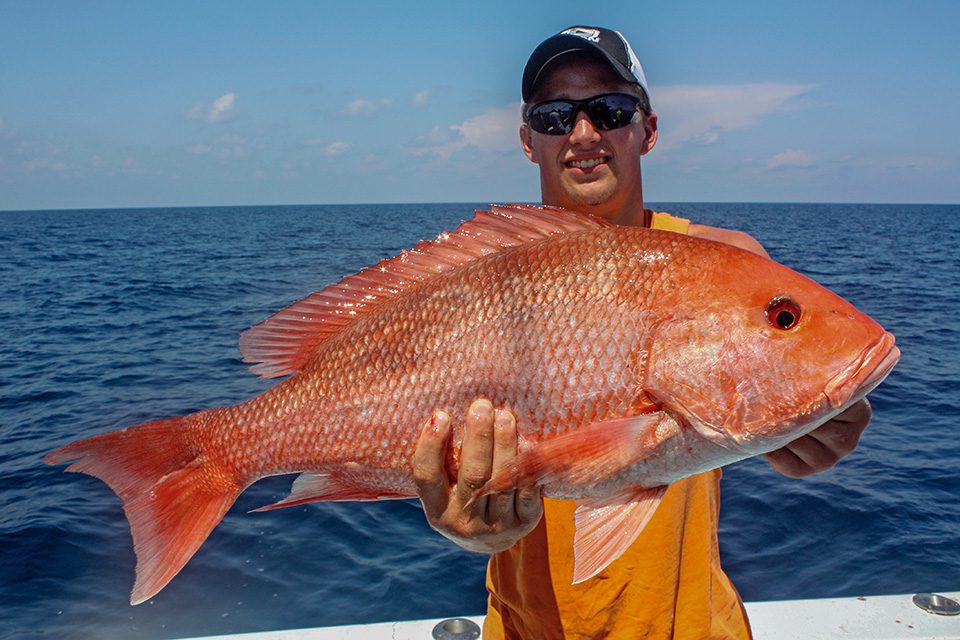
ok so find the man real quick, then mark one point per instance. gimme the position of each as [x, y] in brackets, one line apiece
[587, 122]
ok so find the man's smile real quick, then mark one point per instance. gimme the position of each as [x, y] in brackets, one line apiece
[587, 164]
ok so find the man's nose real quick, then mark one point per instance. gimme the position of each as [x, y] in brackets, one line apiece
[583, 130]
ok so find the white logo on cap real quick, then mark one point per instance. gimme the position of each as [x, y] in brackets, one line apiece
[593, 35]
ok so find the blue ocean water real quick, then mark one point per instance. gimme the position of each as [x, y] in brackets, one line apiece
[113, 317]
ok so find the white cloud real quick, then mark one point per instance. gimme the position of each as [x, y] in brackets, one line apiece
[32, 152]
[791, 158]
[199, 149]
[493, 131]
[227, 146]
[419, 99]
[41, 164]
[330, 149]
[701, 114]
[215, 111]
[361, 105]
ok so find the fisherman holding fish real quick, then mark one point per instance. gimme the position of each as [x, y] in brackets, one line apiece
[587, 121]
[629, 361]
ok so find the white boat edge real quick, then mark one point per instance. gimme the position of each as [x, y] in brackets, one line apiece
[888, 617]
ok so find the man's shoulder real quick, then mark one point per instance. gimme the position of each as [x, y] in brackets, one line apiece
[729, 236]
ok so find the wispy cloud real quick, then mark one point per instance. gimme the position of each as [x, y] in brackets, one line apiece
[43, 164]
[330, 149]
[31, 152]
[702, 114]
[215, 111]
[419, 99]
[361, 105]
[228, 146]
[791, 158]
[494, 131]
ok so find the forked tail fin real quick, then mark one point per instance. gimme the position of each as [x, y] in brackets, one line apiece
[172, 495]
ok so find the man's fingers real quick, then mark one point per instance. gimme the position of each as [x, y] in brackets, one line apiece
[476, 462]
[501, 506]
[785, 461]
[529, 505]
[842, 434]
[823, 447]
[491, 523]
[857, 414]
[429, 471]
[837, 438]
[504, 438]
[826, 445]
[804, 456]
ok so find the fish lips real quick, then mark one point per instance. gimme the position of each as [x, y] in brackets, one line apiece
[863, 375]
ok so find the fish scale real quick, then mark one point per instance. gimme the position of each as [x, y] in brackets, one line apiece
[400, 409]
[620, 351]
[481, 329]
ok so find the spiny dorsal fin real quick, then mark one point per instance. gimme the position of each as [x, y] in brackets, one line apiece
[283, 343]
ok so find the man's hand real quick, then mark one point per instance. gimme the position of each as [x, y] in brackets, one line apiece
[823, 447]
[494, 522]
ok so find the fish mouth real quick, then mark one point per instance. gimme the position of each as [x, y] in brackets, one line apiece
[863, 375]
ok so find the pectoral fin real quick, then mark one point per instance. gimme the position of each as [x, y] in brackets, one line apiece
[607, 527]
[587, 456]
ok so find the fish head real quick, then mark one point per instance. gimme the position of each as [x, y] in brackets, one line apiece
[753, 355]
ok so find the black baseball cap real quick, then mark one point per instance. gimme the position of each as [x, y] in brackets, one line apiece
[608, 43]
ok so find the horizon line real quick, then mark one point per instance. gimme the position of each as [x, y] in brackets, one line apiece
[453, 202]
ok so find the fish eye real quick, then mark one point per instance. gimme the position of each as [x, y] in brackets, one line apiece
[783, 313]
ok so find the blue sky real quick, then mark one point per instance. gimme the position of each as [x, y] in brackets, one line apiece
[121, 104]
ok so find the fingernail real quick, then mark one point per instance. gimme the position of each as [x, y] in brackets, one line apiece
[481, 408]
[438, 421]
[504, 419]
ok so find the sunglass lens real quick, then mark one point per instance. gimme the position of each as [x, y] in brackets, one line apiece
[552, 118]
[611, 112]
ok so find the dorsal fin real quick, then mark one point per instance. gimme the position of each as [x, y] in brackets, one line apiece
[283, 343]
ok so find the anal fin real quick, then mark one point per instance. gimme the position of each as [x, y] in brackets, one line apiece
[326, 487]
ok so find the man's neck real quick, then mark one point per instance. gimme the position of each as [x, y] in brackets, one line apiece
[632, 217]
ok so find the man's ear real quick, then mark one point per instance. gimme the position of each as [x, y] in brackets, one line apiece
[650, 133]
[526, 142]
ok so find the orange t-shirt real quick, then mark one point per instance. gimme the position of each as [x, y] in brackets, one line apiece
[669, 583]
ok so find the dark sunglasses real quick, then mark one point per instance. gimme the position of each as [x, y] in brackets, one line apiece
[607, 111]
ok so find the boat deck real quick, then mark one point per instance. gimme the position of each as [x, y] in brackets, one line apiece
[874, 618]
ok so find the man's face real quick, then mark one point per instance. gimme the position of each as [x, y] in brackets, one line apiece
[588, 169]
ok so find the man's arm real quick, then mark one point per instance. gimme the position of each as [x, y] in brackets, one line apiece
[728, 236]
[826, 445]
[495, 522]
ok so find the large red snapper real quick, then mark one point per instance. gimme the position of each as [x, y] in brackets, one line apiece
[630, 357]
